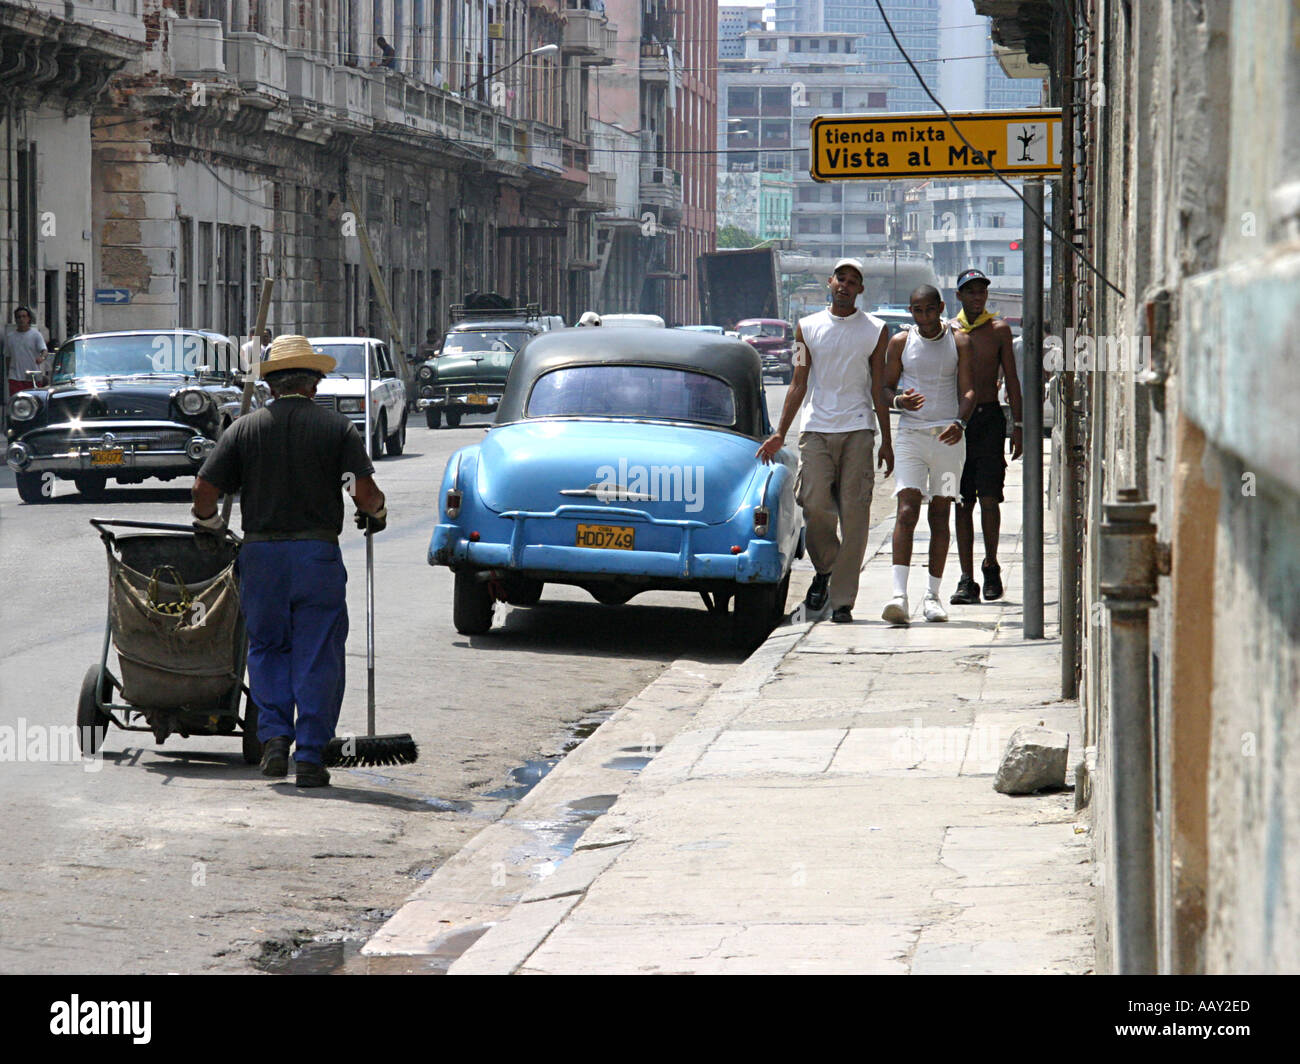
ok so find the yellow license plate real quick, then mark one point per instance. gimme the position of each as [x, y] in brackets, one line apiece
[606, 537]
[108, 456]
[476, 400]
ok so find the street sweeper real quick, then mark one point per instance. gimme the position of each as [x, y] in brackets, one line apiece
[291, 463]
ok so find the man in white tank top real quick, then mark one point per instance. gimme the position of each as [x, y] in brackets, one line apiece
[840, 355]
[928, 376]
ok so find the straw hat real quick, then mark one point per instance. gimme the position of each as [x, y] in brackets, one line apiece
[294, 352]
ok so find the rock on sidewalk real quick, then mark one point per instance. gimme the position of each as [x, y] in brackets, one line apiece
[1035, 758]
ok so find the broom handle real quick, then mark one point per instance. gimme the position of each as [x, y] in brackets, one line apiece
[370, 573]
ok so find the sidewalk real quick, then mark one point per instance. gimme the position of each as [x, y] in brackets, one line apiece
[829, 808]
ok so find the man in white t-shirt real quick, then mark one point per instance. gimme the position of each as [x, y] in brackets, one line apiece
[840, 356]
[24, 350]
[254, 350]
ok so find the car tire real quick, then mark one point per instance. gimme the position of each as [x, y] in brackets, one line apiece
[92, 722]
[396, 443]
[758, 609]
[453, 419]
[30, 488]
[524, 591]
[91, 486]
[471, 607]
[432, 417]
[377, 441]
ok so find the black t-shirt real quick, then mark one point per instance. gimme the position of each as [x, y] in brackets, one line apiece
[291, 461]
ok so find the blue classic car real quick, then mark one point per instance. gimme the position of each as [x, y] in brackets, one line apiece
[622, 461]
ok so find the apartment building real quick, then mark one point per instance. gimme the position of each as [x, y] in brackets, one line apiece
[169, 154]
[654, 113]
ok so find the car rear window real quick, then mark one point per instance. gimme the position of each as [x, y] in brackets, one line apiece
[494, 340]
[657, 392]
[762, 329]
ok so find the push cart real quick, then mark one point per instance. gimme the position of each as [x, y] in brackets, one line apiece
[175, 622]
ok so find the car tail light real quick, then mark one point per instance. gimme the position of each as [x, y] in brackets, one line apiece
[737, 550]
[473, 537]
[761, 518]
[452, 509]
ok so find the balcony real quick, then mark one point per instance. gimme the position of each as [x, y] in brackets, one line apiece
[309, 82]
[257, 65]
[661, 187]
[587, 34]
[352, 97]
[601, 194]
[196, 48]
[657, 68]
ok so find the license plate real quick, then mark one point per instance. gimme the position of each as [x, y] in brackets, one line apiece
[606, 537]
[476, 400]
[107, 456]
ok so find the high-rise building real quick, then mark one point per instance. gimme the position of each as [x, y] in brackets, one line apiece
[733, 21]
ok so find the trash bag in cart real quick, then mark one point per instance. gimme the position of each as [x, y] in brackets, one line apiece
[176, 622]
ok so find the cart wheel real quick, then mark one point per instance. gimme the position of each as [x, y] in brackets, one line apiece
[92, 722]
[252, 747]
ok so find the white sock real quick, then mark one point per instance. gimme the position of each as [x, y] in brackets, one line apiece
[934, 584]
[900, 579]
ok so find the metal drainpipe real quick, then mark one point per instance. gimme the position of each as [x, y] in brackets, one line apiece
[1130, 560]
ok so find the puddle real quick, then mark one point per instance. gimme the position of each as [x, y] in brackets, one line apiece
[561, 836]
[345, 958]
[528, 775]
[629, 764]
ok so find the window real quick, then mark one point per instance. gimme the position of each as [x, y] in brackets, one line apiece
[203, 312]
[742, 101]
[836, 224]
[997, 266]
[231, 276]
[776, 101]
[837, 99]
[185, 274]
[832, 46]
[766, 45]
[876, 224]
[876, 99]
[996, 221]
[633, 391]
[814, 45]
[796, 44]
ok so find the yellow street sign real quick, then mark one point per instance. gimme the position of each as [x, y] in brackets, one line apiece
[857, 147]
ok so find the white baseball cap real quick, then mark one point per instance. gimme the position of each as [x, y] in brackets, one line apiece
[854, 263]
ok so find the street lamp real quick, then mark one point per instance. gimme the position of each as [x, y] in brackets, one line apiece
[545, 49]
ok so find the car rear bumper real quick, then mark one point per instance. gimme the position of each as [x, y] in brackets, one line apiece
[459, 399]
[757, 561]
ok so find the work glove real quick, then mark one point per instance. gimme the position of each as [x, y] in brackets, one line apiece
[369, 523]
[208, 531]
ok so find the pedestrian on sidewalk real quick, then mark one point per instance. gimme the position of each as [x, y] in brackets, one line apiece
[24, 351]
[928, 378]
[254, 350]
[985, 471]
[840, 356]
[290, 462]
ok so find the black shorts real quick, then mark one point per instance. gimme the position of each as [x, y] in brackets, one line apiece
[986, 469]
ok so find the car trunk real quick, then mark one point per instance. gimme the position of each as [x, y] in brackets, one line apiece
[694, 474]
[471, 367]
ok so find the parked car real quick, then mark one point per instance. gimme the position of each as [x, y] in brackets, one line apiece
[623, 463]
[774, 341]
[125, 406]
[716, 330]
[895, 318]
[641, 321]
[1050, 393]
[469, 371]
[344, 389]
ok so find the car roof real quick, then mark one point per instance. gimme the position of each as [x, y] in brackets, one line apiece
[735, 361]
[497, 325]
[154, 332]
[761, 321]
[344, 340]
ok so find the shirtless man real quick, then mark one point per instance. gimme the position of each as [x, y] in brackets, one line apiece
[985, 470]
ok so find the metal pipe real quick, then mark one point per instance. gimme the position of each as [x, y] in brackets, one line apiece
[1128, 554]
[1032, 395]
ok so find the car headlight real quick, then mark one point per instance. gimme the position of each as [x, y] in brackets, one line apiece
[192, 402]
[23, 408]
[425, 373]
[349, 406]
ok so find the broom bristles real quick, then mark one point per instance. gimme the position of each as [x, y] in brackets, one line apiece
[367, 750]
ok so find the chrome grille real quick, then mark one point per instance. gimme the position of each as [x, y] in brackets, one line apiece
[327, 401]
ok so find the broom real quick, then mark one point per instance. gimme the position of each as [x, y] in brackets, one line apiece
[370, 749]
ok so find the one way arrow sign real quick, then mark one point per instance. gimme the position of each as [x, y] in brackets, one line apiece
[112, 295]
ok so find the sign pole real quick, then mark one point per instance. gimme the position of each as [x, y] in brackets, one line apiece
[1032, 406]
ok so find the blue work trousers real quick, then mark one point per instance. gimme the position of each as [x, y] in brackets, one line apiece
[293, 593]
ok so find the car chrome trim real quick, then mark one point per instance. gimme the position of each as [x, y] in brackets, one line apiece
[616, 491]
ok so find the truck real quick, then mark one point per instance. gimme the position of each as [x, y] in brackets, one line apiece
[738, 284]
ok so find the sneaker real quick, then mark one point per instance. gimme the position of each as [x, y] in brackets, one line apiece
[967, 593]
[815, 600]
[275, 758]
[842, 615]
[992, 582]
[933, 608]
[896, 612]
[312, 775]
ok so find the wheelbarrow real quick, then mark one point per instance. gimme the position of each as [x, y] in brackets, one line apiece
[174, 620]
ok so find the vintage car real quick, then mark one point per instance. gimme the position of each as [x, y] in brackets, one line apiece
[469, 371]
[774, 341]
[619, 463]
[125, 406]
[344, 388]
[632, 321]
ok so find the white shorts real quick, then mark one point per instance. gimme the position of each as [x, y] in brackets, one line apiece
[923, 463]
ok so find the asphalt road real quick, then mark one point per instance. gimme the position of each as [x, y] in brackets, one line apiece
[178, 857]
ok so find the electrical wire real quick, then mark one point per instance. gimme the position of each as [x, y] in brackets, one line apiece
[994, 171]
